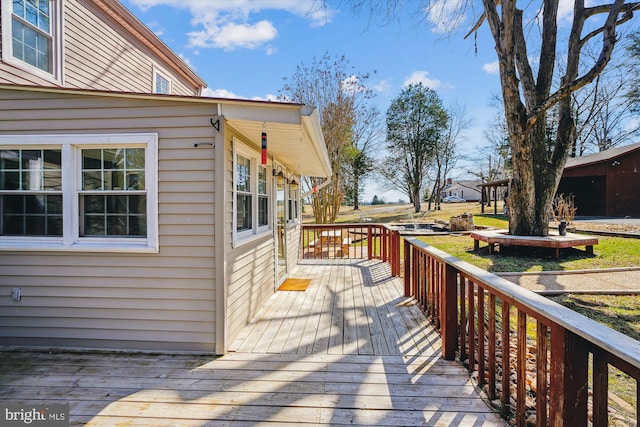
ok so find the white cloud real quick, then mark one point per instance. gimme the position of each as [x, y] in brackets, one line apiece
[232, 36]
[220, 93]
[228, 24]
[224, 93]
[422, 77]
[491, 68]
[188, 62]
[565, 11]
[446, 15]
[383, 86]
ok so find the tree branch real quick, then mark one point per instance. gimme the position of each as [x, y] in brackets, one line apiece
[571, 82]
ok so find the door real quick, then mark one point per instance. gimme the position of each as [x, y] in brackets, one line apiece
[281, 237]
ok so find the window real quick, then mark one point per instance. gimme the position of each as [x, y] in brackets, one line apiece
[243, 194]
[292, 201]
[31, 32]
[161, 83]
[251, 200]
[79, 192]
[113, 197]
[31, 192]
[263, 197]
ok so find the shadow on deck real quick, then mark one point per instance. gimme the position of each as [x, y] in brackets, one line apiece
[350, 350]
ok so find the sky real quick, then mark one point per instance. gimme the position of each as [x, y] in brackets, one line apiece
[245, 48]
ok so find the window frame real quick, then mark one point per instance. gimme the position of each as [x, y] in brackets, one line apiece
[293, 204]
[256, 230]
[57, 32]
[158, 72]
[71, 146]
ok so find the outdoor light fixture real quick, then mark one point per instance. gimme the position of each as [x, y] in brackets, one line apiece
[293, 184]
[277, 172]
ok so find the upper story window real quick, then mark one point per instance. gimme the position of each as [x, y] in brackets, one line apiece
[161, 82]
[252, 199]
[31, 36]
[79, 192]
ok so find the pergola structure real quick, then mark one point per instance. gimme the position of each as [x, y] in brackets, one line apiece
[486, 196]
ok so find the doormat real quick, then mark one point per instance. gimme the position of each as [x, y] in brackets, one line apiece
[295, 285]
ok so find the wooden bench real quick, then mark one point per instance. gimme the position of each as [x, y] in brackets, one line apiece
[553, 241]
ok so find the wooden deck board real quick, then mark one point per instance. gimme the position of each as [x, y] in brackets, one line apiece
[348, 351]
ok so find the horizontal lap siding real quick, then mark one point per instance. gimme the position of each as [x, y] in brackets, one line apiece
[250, 266]
[112, 61]
[100, 55]
[163, 301]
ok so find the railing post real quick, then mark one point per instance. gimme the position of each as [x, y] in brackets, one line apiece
[407, 269]
[395, 253]
[369, 242]
[569, 379]
[449, 313]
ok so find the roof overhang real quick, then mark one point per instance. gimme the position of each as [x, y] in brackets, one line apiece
[294, 135]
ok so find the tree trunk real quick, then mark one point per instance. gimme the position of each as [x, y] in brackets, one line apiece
[356, 192]
[537, 173]
[416, 199]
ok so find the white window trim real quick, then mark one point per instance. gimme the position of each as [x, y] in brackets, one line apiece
[57, 33]
[293, 204]
[255, 232]
[157, 71]
[71, 146]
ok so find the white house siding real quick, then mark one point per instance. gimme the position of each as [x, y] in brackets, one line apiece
[293, 245]
[99, 55]
[250, 271]
[163, 301]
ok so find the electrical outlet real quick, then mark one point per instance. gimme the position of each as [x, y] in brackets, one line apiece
[16, 294]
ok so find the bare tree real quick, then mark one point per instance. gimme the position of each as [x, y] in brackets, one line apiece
[394, 176]
[335, 90]
[367, 139]
[603, 116]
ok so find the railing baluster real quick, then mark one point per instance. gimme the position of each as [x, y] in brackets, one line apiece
[448, 313]
[542, 361]
[463, 318]
[506, 368]
[492, 346]
[471, 321]
[521, 369]
[600, 390]
[481, 335]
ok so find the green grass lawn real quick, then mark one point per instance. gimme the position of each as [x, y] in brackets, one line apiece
[610, 252]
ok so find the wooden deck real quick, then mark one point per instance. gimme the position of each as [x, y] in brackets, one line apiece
[350, 350]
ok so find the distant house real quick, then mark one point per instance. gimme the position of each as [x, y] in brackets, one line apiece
[468, 190]
[135, 214]
[605, 183]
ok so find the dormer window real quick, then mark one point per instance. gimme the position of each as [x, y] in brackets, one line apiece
[161, 82]
[31, 36]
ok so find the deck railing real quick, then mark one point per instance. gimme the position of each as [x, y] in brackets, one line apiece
[348, 241]
[530, 354]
